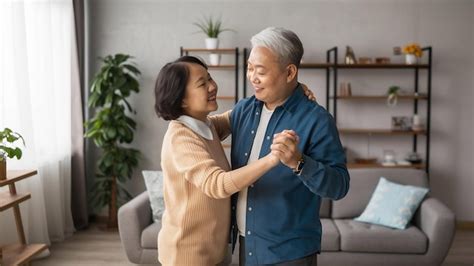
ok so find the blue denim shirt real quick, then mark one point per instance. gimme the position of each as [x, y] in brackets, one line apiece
[283, 208]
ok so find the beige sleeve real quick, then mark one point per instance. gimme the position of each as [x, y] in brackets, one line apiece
[222, 124]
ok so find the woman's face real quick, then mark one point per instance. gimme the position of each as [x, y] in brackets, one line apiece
[201, 92]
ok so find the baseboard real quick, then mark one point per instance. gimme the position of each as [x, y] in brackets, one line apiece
[465, 225]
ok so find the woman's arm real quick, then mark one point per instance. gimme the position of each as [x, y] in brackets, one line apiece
[191, 158]
[222, 124]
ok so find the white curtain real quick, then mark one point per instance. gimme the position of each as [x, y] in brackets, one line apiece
[36, 51]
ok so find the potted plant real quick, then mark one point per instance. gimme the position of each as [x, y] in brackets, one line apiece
[392, 95]
[110, 129]
[211, 27]
[7, 138]
[412, 52]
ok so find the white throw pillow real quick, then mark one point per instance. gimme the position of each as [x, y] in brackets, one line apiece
[154, 186]
[392, 204]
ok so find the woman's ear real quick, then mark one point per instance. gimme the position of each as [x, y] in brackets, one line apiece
[291, 71]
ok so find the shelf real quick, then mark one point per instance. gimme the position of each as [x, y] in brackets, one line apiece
[17, 175]
[213, 51]
[380, 131]
[20, 254]
[315, 65]
[378, 165]
[381, 97]
[382, 66]
[221, 66]
[8, 200]
[225, 97]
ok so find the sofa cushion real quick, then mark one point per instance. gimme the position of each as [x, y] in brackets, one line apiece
[363, 183]
[392, 204]
[154, 187]
[364, 237]
[331, 238]
[150, 235]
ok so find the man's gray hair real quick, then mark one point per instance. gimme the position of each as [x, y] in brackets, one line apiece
[284, 43]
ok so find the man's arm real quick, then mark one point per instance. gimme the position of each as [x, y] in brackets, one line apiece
[324, 170]
[222, 124]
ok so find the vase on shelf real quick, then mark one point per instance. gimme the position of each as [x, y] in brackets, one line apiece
[411, 59]
[214, 59]
[212, 43]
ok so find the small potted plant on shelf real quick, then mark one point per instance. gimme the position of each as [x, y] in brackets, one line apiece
[211, 27]
[392, 95]
[7, 138]
[412, 52]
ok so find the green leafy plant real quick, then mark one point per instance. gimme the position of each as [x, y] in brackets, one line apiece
[211, 27]
[392, 95]
[7, 150]
[110, 129]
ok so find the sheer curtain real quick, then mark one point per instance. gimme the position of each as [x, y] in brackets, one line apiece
[36, 51]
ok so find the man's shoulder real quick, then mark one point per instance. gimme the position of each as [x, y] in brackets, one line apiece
[243, 105]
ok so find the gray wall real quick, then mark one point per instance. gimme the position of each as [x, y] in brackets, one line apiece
[153, 31]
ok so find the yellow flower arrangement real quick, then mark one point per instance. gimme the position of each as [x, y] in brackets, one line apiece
[413, 48]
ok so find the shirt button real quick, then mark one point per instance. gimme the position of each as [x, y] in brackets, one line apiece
[251, 185]
[253, 131]
[256, 113]
[250, 253]
[233, 207]
[249, 233]
[268, 137]
[250, 209]
[246, 154]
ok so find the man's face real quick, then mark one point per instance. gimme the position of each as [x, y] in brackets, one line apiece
[268, 77]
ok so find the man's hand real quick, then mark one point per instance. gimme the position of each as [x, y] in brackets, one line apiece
[308, 93]
[285, 147]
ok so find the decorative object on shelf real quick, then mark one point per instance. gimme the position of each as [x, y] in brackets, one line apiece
[7, 138]
[401, 123]
[212, 28]
[414, 158]
[345, 89]
[397, 50]
[110, 128]
[392, 95]
[416, 123]
[350, 56]
[382, 60]
[389, 158]
[365, 60]
[412, 52]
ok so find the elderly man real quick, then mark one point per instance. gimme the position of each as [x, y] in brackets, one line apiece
[277, 217]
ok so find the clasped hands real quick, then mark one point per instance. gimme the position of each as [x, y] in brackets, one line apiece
[285, 148]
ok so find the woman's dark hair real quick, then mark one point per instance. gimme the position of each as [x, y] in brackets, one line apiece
[170, 87]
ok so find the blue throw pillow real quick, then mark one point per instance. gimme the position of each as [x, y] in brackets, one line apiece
[154, 186]
[392, 204]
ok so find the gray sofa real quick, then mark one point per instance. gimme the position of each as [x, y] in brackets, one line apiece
[426, 240]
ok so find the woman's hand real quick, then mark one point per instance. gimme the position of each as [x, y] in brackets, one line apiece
[285, 147]
[308, 93]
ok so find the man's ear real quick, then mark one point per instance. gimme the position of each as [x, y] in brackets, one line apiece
[291, 71]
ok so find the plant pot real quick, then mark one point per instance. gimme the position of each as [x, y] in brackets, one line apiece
[214, 59]
[3, 169]
[212, 43]
[411, 59]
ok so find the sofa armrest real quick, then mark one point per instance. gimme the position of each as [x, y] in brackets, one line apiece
[133, 218]
[437, 221]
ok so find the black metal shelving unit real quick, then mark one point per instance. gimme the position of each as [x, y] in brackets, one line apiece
[334, 67]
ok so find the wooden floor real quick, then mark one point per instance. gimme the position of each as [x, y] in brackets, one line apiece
[97, 247]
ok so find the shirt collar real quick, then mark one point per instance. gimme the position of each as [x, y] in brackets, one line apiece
[293, 100]
[198, 126]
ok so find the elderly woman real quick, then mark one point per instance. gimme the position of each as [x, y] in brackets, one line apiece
[197, 177]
